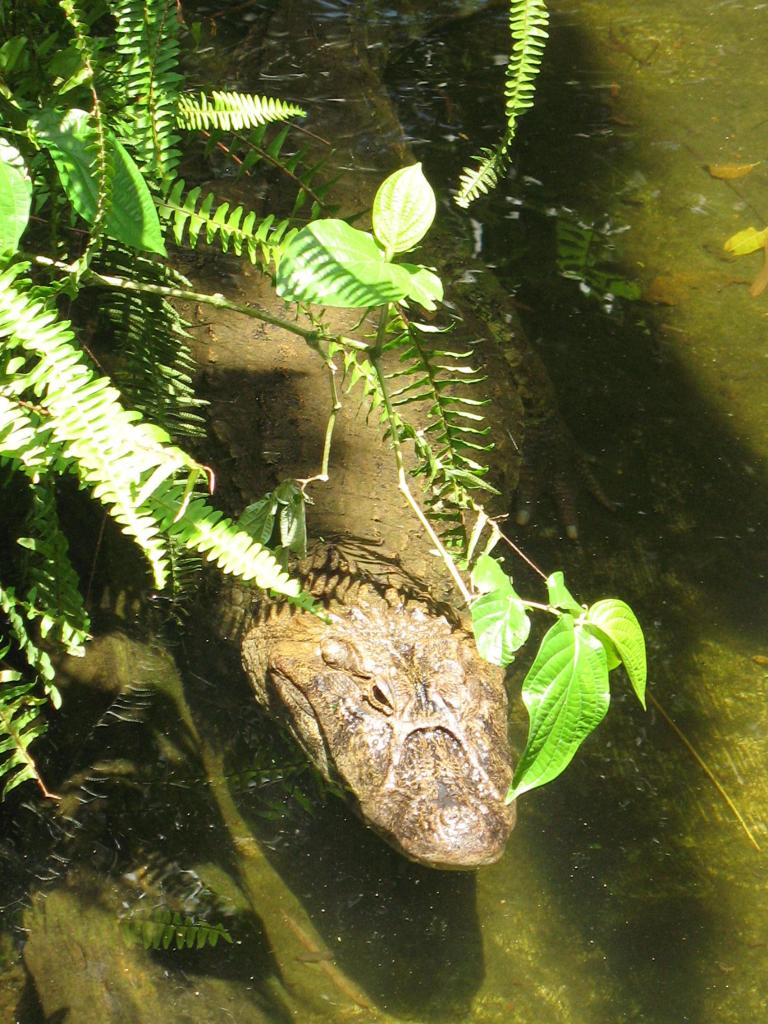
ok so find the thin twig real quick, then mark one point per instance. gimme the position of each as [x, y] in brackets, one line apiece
[706, 769]
[265, 155]
[522, 554]
[322, 476]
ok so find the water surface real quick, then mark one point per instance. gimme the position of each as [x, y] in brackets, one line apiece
[629, 891]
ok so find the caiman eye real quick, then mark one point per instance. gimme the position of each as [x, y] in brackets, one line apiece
[341, 655]
[335, 653]
[380, 698]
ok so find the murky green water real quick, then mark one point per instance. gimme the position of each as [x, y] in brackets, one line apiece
[669, 393]
[629, 891]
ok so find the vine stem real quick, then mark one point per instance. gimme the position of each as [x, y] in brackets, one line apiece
[209, 299]
[335, 407]
[402, 479]
[521, 554]
[322, 476]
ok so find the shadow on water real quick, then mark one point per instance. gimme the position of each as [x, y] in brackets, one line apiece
[616, 841]
[683, 479]
[408, 935]
[134, 824]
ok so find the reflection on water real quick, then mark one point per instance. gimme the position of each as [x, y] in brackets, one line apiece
[629, 891]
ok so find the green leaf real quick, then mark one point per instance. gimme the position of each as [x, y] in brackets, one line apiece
[615, 620]
[403, 210]
[10, 52]
[333, 264]
[285, 506]
[71, 140]
[20, 725]
[566, 693]
[292, 518]
[500, 623]
[611, 654]
[426, 288]
[258, 518]
[15, 197]
[488, 575]
[67, 69]
[560, 596]
[500, 626]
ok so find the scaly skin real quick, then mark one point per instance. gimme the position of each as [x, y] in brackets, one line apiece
[392, 703]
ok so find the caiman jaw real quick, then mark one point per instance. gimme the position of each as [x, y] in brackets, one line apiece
[452, 818]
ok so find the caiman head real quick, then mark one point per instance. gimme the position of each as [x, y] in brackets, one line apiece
[394, 704]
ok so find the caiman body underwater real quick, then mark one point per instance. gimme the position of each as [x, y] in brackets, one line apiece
[389, 698]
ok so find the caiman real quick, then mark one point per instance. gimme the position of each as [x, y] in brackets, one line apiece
[389, 698]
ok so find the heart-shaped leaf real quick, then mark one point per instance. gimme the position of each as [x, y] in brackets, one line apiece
[334, 264]
[500, 623]
[619, 624]
[566, 693]
[488, 575]
[403, 210]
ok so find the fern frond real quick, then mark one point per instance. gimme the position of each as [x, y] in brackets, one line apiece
[208, 531]
[23, 438]
[447, 449]
[440, 377]
[234, 230]
[184, 569]
[19, 616]
[20, 726]
[110, 451]
[246, 152]
[147, 42]
[164, 928]
[131, 468]
[53, 584]
[155, 367]
[528, 20]
[232, 111]
[484, 177]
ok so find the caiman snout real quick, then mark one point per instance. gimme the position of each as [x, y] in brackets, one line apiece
[459, 837]
[440, 807]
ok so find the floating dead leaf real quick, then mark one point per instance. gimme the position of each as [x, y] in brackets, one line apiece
[730, 171]
[760, 659]
[746, 241]
[760, 283]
